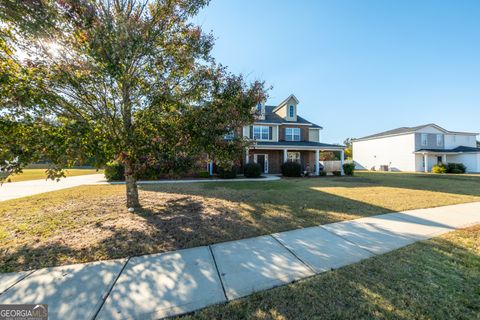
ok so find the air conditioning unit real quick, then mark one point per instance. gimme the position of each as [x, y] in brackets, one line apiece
[384, 167]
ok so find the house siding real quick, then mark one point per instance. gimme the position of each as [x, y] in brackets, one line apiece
[396, 151]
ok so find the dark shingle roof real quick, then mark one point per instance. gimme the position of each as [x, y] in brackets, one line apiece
[271, 117]
[403, 130]
[299, 143]
[396, 131]
[460, 149]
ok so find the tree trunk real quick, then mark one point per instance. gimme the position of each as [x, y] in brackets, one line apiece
[132, 190]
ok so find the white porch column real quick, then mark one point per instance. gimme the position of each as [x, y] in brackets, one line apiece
[444, 158]
[425, 162]
[317, 162]
[247, 158]
[285, 155]
[342, 161]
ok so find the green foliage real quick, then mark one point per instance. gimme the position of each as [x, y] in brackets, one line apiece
[130, 81]
[349, 149]
[291, 169]
[227, 173]
[337, 173]
[322, 173]
[456, 168]
[349, 169]
[114, 171]
[439, 168]
[329, 156]
[204, 174]
[252, 170]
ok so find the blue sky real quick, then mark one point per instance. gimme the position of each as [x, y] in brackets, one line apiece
[357, 67]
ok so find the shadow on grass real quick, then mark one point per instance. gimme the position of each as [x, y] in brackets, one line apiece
[435, 279]
[175, 218]
[188, 215]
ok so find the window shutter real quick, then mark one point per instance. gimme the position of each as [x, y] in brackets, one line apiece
[251, 132]
[270, 129]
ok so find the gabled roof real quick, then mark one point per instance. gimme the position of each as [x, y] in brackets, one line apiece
[405, 130]
[460, 149]
[281, 104]
[272, 117]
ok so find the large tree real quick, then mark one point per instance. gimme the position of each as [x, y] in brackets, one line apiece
[132, 80]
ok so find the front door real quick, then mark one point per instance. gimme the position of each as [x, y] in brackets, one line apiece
[262, 160]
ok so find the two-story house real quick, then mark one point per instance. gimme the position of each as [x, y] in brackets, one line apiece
[279, 135]
[416, 149]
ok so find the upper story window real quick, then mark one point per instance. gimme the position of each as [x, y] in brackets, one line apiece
[424, 139]
[292, 134]
[291, 111]
[261, 132]
[259, 107]
[439, 140]
[229, 136]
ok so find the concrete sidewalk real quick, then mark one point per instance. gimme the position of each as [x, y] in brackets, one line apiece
[14, 190]
[178, 282]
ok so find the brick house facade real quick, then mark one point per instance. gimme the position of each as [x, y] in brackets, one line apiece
[279, 134]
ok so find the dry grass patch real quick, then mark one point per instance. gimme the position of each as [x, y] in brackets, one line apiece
[434, 279]
[90, 223]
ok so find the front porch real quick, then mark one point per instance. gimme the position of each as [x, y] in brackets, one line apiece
[271, 159]
[426, 159]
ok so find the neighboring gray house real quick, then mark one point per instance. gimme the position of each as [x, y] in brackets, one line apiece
[416, 149]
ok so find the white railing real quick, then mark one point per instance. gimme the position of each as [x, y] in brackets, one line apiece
[330, 166]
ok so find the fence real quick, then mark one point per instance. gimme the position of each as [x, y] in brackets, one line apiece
[330, 166]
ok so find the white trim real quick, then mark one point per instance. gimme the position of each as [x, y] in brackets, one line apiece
[285, 102]
[269, 138]
[293, 134]
[297, 124]
[293, 147]
[265, 164]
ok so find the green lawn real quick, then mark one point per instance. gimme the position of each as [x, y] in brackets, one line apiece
[91, 223]
[434, 279]
[35, 174]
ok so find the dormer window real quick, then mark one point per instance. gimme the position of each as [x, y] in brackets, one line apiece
[291, 111]
[259, 107]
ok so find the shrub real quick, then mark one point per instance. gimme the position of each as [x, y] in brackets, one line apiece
[253, 170]
[322, 173]
[227, 173]
[349, 169]
[114, 171]
[291, 169]
[204, 174]
[456, 168]
[439, 168]
[337, 173]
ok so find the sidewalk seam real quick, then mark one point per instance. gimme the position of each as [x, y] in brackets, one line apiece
[349, 241]
[294, 254]
[218, 273]
[18, 281]
[104, 299]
